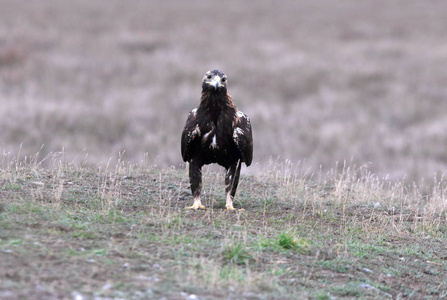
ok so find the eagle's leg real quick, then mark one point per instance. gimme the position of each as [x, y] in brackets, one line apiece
[231, 183]
[195, 179]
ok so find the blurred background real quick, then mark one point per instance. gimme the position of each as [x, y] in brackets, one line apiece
[322, 81]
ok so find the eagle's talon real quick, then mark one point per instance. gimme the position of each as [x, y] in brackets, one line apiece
[231, 208]
[196, 206]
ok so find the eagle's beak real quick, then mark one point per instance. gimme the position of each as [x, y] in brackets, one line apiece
[216, 82]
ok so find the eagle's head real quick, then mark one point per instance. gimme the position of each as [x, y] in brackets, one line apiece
[214, 80]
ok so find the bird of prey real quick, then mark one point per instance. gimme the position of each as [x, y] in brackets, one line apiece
[216, 132]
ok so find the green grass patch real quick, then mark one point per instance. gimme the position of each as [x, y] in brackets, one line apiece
[336, 265]
[237, 253]
[286, 240]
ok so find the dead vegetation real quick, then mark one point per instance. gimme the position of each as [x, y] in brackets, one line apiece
[122, 232]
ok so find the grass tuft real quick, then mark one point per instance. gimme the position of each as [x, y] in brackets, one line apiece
[287, 240]
[237, 253]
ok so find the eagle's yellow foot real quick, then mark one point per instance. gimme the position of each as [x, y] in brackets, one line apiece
[231, 208]
[228, 207]
[197, 205]
[229, 204]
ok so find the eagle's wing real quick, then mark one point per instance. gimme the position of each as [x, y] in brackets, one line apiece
[189, 135]
[242, 137]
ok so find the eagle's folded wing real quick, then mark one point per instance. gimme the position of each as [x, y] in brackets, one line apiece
[189, 135]
[242, 137]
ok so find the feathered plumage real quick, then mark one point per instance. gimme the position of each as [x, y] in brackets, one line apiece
[216, 132]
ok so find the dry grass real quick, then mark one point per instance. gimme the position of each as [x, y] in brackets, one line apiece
[122, 232]
[321, 81]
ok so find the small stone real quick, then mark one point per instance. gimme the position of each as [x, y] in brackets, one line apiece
[77, 296]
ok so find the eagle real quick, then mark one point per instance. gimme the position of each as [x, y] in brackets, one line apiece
[216, 132]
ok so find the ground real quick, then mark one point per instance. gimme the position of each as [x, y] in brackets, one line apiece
[322, 81]
[123, 232]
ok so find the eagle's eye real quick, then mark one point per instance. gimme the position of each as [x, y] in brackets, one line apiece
[208, 76]
[224, 79]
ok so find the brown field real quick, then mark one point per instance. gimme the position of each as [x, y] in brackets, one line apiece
[323, 82]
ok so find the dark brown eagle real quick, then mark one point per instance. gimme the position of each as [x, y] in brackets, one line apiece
[216, 132]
